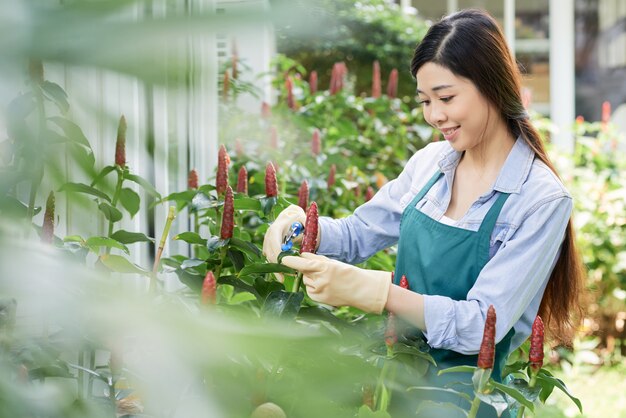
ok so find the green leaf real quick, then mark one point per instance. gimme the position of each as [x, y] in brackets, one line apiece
[267, 204]
[191, 238]
[440, 407]
[126, 237]
[241, 297]
[237, 258]
[283, 304]
[120, 264]
[71, 130]
[496, 399]
[102, 174]
[243, 202]
[515, 394]
[83, 188]
[480, 379]
[246, 247]
[112, 213]
[441, 390]
[10, 206]
[130, 200]
[96, 242]
[366, 412]
[544, 377]
[401, 348]
[149, 188]
[73, 238]
[55, 93]
[263, 268]
[457, 369]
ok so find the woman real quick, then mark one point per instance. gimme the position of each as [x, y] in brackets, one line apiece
[480, 219]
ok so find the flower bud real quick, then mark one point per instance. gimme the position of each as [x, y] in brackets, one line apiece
[535, 355]
[120, 143]
[223, 161]
[369, 193]
[313, 82]
[309, 241]
[303, 195]
[331, 176]
[316, 142]
[192, 180]
[209, 289]
[225, 85]
[291, 101]
[392, 85]
[35, 70]
[404, 283]
[242, 180]
[47, 231]
[376, 88]
[235, 59]
[271, 185]
[487, 351]
[266, 110]
[228, 217]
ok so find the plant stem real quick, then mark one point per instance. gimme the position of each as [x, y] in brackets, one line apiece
[116, 197]
[38, 173]
[381, 381]
[166, 230]
[531, 384]
[196, 229]
[474, 409]
[81, 374]
[218, 270]
[297, 283]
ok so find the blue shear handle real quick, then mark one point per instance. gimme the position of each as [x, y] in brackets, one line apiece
[294, 231]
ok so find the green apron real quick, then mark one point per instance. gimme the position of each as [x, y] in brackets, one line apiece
[440, 259]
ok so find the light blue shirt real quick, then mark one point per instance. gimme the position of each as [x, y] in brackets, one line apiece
[524, 246]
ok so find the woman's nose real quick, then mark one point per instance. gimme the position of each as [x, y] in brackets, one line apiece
[437, 115]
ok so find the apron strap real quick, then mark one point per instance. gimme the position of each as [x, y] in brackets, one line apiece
[425, 189]
[489, 222]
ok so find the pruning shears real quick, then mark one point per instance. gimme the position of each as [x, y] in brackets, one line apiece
[295, 230]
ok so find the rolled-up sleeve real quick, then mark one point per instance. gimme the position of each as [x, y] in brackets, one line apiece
[373, 226]
[509, 281]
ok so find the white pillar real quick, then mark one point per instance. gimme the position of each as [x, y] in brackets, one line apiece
[562, 106]
[453, 6]
[509, 24]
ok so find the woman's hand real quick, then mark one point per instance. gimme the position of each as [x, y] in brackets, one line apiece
[335, 283]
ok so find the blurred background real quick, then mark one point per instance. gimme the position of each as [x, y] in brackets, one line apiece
[191, 75]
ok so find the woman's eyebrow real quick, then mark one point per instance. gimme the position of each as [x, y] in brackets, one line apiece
[436, 88]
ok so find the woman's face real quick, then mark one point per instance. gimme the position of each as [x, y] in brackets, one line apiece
[454, 106]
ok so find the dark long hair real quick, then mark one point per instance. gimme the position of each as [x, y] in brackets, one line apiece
[470, 44]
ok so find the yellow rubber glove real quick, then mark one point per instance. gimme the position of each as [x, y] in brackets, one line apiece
[279, 228]
[335, 283]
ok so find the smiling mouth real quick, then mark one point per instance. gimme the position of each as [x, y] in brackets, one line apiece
[449, 131]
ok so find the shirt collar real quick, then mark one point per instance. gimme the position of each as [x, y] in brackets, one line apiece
[513, 173]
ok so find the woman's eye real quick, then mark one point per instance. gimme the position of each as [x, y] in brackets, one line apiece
[423, 102]
[446, 99]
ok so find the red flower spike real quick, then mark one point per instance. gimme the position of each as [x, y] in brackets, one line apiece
[291, 101]
[273, 137]
[309, 242]
[391, 336]
[369, 193]
[368, 396]
[266, 110]
[120, 143]
[225, 85]
[535, 355]
[303, 195]
[35, 70]
[376, 89]
[209, 289]
[487, 351]
[313, 82]
[606, 112]
[580, 120]
[228, 217]
[331, 176]
[404, 283]
[242, 180]
[47, 230]
[316, 143]
[336, 80]
[357, 192]
[271, 185]
[223, 161]
[192, 179]
[239, 148]
[235, 60]
[392, 85]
